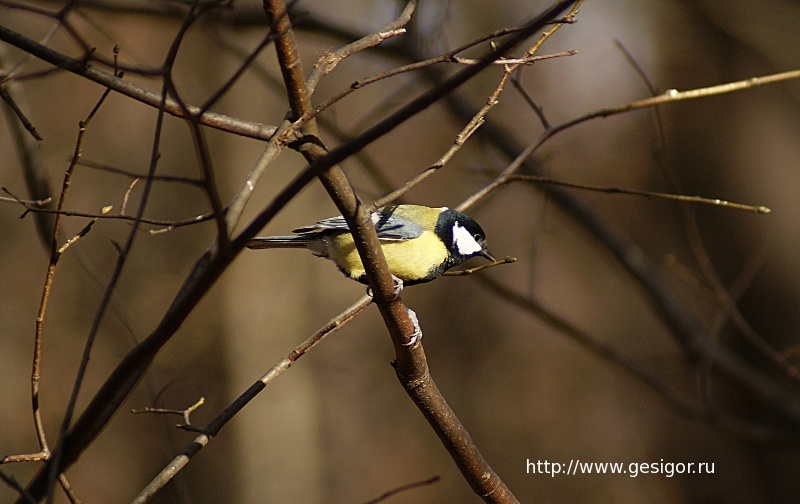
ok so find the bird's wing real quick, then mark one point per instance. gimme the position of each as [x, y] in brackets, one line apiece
[333, 224]
[390, 227]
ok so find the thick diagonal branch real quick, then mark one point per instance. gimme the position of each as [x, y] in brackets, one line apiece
[411, 364]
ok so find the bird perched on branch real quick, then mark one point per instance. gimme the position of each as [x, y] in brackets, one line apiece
[419, 243]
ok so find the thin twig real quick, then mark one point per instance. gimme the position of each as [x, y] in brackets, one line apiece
[268, 155]
[26, 457]
[635, 192]
[14, 199]
[132, 175]
[470, 271]
[124, 206]
[404, 488]
[83, 232]
[527, 60]
[216, 425]
[445, 58]
[214, 98]
[55, 254]
[119, 216]
[327, 63]
[184, 413]
[673, 95]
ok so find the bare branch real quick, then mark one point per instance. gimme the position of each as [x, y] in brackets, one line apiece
[217, 424]
[13, 483]
[673, 95]
[605, 351]
[404, 488]
[527, 60]
[172, 107]
[164, 224]
[32, 203]
[327, 63]
[6, 96]
[469, 271]
[760, 209]
[184, 413]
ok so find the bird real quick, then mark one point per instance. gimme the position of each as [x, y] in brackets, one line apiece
[419, 242]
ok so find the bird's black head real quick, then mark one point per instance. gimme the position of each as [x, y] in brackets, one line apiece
[462, 236]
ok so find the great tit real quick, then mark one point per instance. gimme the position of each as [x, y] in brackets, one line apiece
[420, 243]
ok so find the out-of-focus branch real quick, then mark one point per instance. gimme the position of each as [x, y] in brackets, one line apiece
[607, 352]
[37, 184]
[18, 113]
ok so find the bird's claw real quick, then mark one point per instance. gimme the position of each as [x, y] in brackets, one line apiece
[398, 288]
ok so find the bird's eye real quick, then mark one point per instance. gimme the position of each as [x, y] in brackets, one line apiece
[477, 237]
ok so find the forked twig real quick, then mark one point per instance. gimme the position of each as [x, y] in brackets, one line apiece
[184, 413]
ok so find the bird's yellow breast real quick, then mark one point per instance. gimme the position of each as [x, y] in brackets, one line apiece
[408, 260]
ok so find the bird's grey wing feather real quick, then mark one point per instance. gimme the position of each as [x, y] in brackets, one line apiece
[262, 242]
[332, 223]
[390, 227]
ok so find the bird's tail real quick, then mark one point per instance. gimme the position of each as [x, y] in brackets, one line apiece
[263, 242]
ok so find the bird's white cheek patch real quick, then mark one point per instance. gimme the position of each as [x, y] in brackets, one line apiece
[464, 241]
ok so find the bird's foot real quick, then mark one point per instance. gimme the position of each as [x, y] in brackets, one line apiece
[398, 288]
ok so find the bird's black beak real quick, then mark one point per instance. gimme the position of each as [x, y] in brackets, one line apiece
[488, 255]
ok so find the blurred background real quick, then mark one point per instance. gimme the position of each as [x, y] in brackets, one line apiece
[337, 427]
